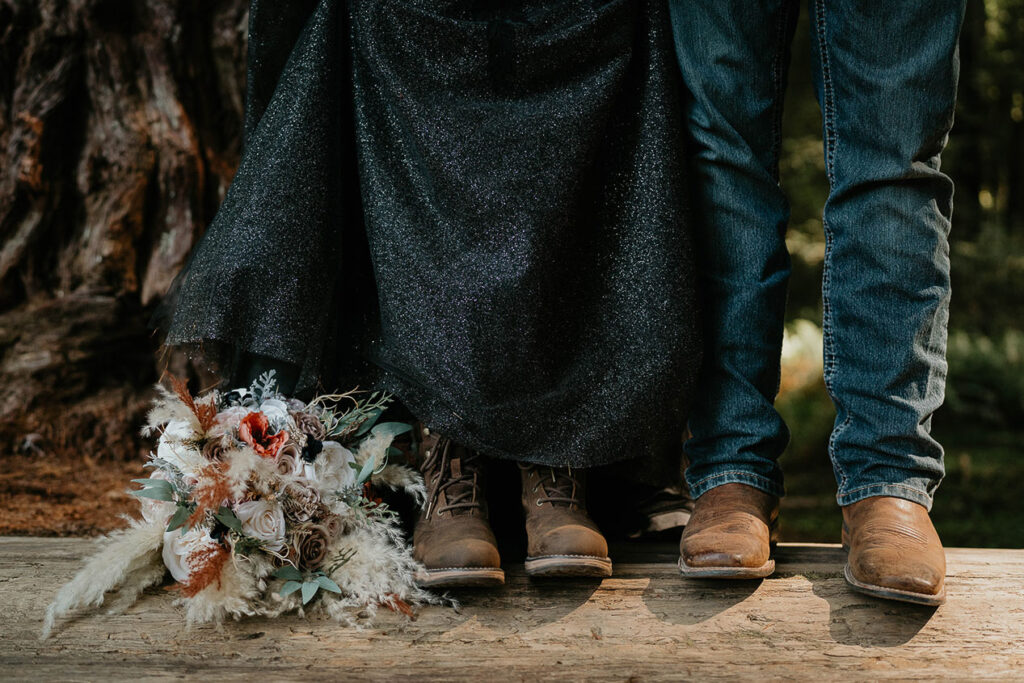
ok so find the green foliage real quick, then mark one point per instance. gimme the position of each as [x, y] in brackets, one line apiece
[243, 545]
[160, 489]
[986, 381]
[309, 584]
[157, 489]
[988, 284]
[227, 517]
[366, 471]
[391, 429]
[180, 516]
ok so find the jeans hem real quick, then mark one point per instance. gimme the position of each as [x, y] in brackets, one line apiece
[769, 486]
[910, 493]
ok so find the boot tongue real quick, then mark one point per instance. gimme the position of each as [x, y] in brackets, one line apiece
[456, 466]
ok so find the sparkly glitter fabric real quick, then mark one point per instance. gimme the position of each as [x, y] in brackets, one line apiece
[522, 191]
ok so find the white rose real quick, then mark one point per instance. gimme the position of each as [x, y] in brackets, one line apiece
[178, 546]
[332, 469]
[178, 430]
[263, 521]
[277, 414]
[173, 449]
[157, 511]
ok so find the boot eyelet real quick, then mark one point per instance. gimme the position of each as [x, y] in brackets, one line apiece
[539, 503]
[534, 490]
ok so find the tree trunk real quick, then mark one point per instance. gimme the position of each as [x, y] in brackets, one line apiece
[120, 130]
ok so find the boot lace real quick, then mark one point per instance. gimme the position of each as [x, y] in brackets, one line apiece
[560, 485]
[460, 492]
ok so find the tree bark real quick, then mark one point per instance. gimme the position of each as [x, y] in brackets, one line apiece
[120, 131]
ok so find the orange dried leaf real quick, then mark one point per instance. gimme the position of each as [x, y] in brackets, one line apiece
[205, 412]
[396, 604]
[213, 489]
[206, 564]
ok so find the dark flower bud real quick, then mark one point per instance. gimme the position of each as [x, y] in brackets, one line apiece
[234, 397]
[312, 449]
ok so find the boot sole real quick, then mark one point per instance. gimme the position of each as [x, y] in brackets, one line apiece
[569, 565]
[460, 577]
[894, 593]
[765, 570]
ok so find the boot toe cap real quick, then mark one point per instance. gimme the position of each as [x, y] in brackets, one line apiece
[724, 551]
[571, 540]
[470, 552]
[913, 575]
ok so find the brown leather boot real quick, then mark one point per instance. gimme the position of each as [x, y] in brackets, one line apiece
[453, 539]
[730, 534]
[894, 551]
[562, 540]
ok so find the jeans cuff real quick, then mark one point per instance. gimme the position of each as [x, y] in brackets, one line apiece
[705, 484]
[910, 493]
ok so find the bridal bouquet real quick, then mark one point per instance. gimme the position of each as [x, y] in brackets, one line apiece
[260, 505]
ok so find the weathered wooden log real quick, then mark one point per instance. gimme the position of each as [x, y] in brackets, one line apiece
[646, 623]
[119, 134]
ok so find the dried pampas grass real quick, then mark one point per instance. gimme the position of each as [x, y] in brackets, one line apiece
[130, 562]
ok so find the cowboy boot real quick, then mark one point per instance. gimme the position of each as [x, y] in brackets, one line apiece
[894, 551]
[730, 534]
[453, 539]
[562, 540]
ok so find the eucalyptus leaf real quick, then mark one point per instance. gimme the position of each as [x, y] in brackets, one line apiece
[288, 588]
[228, 519]
[288, 572]
[179, 518]
[327, 584]
[371, 419]
[367, 470]
[155, 494]
[153, 483]
[157, 489]
[309, 589]
[391, 429]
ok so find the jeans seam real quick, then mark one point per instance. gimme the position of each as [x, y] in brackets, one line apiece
[778, 78]
[827, 93]
[828, 322]
[895, 490]
[882, 485]
[730, 473]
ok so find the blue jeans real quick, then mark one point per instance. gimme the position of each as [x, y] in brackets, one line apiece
[886, 77]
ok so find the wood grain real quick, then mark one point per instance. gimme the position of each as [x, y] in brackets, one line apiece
[645, 623]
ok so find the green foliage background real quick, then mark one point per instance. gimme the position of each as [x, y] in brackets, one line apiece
[982, 424]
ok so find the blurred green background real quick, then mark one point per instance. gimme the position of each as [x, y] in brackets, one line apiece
[980, 501]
